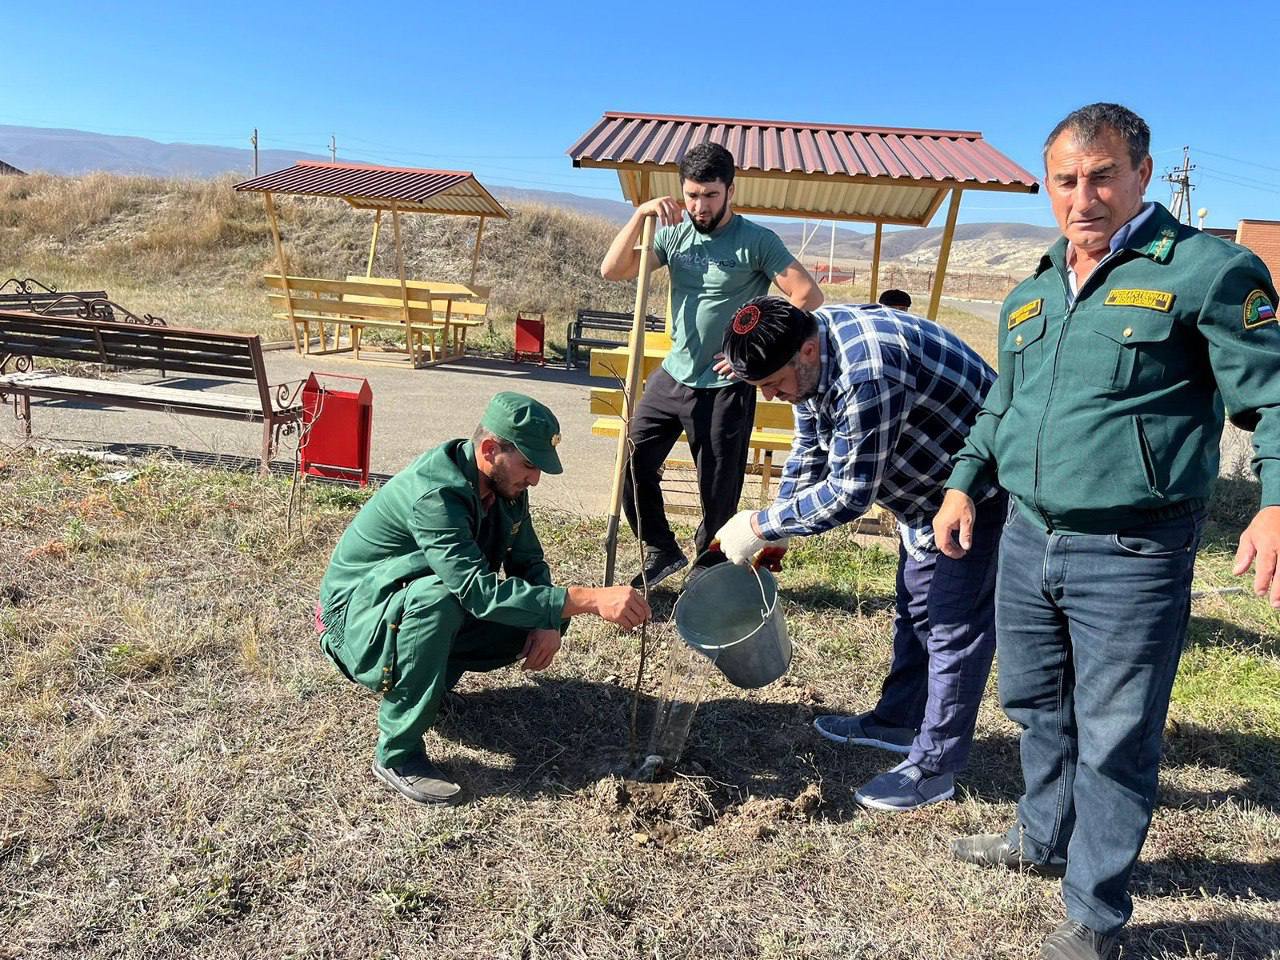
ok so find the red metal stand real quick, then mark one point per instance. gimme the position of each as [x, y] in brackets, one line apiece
[337, 427]
[531, 333]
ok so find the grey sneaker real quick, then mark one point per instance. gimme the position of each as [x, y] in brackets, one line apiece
[420, 780]
[996, 850]
[906, 787]
[1075, 941]
[862, 729]
[659, 564]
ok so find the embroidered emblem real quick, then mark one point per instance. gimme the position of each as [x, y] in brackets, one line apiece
[745, 320]
[1025, 312]
[515, 527]
[1147, 299]
[1160, 247]
[555, 439]
[1258, 310]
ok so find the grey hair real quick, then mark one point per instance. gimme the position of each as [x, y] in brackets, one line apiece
[1091, 122]
[482, 433]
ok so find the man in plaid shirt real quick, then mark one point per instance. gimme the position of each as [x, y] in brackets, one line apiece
[883, 401]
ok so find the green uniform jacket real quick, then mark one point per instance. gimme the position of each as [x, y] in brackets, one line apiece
[1112, 409]
[428, 520]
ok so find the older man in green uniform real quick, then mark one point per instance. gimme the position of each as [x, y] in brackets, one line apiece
[1117, 357]
[413, 596]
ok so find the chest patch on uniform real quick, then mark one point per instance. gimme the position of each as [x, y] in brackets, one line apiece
[515, 527]
[1025, 313]
[1258, 310]
[1148, 299]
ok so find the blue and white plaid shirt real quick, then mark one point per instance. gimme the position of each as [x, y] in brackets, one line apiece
[896, 397]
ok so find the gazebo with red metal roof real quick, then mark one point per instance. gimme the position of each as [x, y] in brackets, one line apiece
[401, 190]
[369, 187]
[815, 170]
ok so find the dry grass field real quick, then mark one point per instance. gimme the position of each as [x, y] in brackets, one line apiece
[183, 774]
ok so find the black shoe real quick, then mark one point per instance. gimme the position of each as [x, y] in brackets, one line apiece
[420, 780]
[658, 565]
[995, 850]
[1075, 941]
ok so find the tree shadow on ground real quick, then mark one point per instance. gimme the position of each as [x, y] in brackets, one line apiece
[504, 367]
[1237, 937]
[1213, 632]
[1252, 756]
[1231, 508]
[1177, 876]
[568, 734]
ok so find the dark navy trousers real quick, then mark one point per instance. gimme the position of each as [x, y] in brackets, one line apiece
[1091, 628]
[943, 642]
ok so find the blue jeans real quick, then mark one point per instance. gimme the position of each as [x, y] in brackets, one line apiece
[1090, 629]
[943, 641]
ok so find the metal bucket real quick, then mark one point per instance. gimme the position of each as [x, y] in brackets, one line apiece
[731, 615]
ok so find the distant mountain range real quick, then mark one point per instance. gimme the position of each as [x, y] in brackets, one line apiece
[978, 246]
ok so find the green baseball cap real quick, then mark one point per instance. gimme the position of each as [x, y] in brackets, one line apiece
[528, 424]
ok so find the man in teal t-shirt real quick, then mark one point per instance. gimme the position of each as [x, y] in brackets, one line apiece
[717, 261]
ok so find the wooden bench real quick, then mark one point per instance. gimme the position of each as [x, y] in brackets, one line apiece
[26, 337]
[425, 320]
[34, 297]
[616, 328]
[771, 435]
[466, 308]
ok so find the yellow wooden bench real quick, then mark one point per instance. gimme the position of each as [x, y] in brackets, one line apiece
[465, 309]
[770, 435]
[355, 305]
[772, 431]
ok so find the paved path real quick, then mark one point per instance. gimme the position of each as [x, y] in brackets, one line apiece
[413, 410]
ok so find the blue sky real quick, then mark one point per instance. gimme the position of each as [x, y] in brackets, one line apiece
[505, 88]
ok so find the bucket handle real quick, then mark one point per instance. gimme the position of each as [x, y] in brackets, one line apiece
[766, 611]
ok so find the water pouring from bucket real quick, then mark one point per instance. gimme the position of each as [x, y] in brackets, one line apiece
[730, 619]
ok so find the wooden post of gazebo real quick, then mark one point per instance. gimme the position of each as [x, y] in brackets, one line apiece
[944, 254]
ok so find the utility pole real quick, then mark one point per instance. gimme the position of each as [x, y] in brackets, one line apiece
[1179, 179]
[254, 141]
[333, 147]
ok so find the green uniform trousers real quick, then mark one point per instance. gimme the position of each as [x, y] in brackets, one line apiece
[432, 645]
[435, 643]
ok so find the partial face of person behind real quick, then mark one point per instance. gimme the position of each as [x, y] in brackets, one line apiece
[707, 203]
[1094, 189]
[509, 472]
[796, 381]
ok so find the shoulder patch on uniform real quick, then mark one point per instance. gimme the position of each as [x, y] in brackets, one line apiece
[1149, 299]
[1258, 310]
[1025, 312]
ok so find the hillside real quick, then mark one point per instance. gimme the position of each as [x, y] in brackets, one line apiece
[1001, 248]
[196, 250]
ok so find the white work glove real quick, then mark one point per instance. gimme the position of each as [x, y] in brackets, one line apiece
[738, 540]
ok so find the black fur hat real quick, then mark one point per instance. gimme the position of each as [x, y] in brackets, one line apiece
[766, 333]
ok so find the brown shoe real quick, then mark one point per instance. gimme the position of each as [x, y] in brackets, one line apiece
[420, 780]
[1075, 941]
[995, 850]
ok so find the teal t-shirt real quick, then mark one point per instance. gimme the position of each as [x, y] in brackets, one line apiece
[712, 275]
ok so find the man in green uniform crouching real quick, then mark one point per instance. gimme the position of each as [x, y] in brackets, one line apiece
[413, 597]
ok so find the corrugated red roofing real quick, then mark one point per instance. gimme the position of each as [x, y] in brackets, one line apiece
[369, 186]
[955, 157]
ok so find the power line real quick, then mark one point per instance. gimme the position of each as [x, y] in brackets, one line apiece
[1248, 163]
